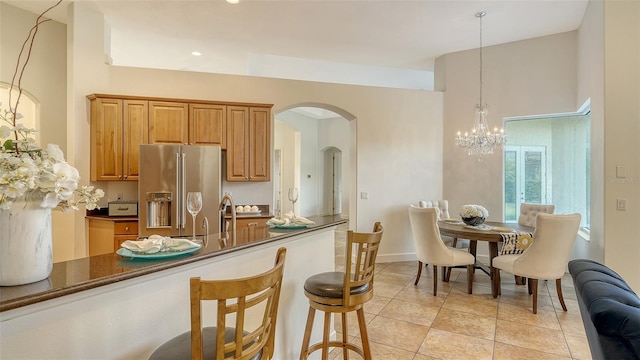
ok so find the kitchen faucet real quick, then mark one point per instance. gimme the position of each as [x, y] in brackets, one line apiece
[222, 208]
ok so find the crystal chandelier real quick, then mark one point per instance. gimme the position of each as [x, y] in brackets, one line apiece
[481, 140]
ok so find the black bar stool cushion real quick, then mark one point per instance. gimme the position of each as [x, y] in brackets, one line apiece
[330, 284]
[179, 348]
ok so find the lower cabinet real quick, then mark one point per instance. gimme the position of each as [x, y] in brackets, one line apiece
[106, 235]
[242, 223]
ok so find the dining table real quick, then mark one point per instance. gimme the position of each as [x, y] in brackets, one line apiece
[490, 231]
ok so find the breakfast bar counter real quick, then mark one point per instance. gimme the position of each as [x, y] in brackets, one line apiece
[109, 306]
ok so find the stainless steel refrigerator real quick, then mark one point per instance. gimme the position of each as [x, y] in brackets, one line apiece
[167, 173]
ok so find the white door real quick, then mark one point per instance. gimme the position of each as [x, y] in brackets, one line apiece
[525, 179]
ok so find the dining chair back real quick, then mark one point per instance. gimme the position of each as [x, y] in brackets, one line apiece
[237, 301]
[529, 212]
[441, 205]
[430, 249]
[343, 292]
[443, 213]
[547, 256]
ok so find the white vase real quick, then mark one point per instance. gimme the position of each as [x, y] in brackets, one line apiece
[26, 253]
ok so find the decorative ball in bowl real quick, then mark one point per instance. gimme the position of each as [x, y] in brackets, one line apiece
[473, 221]
[473, 215]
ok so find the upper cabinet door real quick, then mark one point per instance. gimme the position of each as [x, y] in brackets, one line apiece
[106, 139]
[208, 125]
[237, 143]
[135, 132]
[168, 122]
[260, 144]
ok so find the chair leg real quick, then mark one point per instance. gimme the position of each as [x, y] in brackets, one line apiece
[435, 280]
[345, 353]
[529, 290]
[559, 290]
[470, 278]
[534, 288]
[363, 334]
[419, 272]
[304, 353]
[448, 277]
[495, 277]
[473, 249]
[454, 243]
[325, 336]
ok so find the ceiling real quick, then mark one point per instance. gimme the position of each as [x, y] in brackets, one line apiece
[407, 35]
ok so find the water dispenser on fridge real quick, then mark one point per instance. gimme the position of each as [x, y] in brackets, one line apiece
[158, 210]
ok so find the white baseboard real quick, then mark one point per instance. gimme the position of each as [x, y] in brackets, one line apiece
[387, 258]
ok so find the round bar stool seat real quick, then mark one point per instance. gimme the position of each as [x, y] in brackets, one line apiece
[330, 285]
[343, 292]
[179, 348]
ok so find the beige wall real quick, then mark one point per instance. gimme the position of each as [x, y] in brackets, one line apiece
[46, 79]
[399, 132]
[527, 77]
[591, 87]
[403, 137]
[622, 137]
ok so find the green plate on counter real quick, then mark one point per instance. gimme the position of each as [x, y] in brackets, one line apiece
[161, 255]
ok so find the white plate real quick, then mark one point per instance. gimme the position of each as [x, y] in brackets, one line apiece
[451, 221]
[249, 213]
[478, 228]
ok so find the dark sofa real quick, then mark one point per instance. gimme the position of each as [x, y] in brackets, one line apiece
[610, 311]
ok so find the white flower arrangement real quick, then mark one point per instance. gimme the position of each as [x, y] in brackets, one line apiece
[470, 211]
[26, 169]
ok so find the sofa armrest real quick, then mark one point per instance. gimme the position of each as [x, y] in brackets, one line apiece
[610, 310]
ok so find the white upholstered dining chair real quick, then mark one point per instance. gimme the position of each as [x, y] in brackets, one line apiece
[545, 259]
[443, 213]
[528, 212]
[527, 217]
[431, 250]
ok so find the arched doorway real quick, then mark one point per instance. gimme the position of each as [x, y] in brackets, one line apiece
[315, 142]
[332, 181]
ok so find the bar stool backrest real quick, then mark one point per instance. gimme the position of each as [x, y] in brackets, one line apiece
[362, 250]
[236, 297]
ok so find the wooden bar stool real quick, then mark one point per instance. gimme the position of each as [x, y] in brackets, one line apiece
[234, 297]
[343, 292]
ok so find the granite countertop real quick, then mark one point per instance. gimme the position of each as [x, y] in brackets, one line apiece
[112, 218]
[69, 277]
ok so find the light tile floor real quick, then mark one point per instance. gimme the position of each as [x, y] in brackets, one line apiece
[407, 322]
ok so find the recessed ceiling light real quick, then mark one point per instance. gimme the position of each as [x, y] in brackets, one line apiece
[196, 53]
[233, 1]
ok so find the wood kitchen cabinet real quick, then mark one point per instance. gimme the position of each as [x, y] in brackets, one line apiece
[248, 143]
[242, 222]
[106, 234]
[118, 126]
[208, 125]
[184, 123]
[168, 122]
[120, 123]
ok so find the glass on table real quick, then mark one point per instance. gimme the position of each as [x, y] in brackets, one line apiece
[194, 205]
[293, 197]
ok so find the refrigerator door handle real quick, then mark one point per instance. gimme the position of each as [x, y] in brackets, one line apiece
[184, 191]
[179, 210]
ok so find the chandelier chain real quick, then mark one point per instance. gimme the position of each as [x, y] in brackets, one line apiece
[481, 140]
[481, 15]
